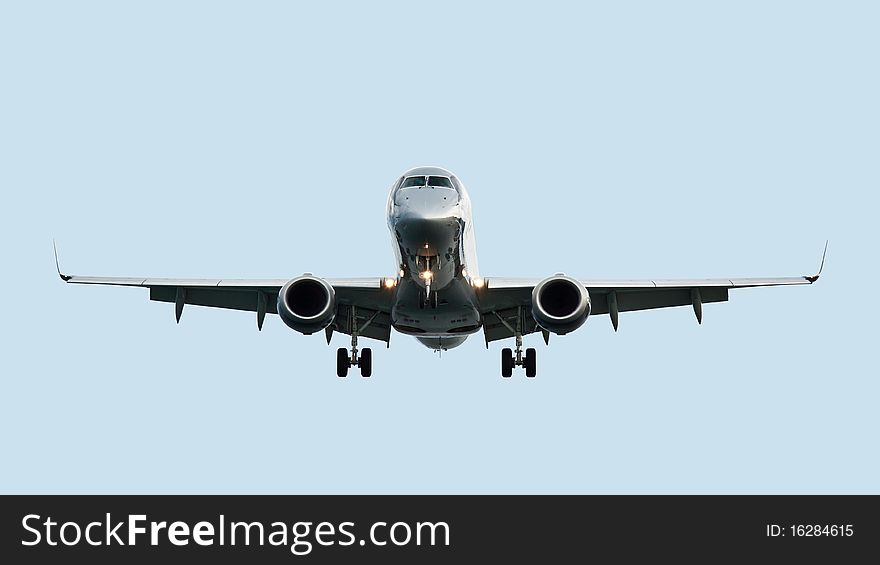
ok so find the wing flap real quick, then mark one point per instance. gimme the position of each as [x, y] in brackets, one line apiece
[629, 300]
[240, 299]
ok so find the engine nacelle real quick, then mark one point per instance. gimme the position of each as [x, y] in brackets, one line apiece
[560, 304]
[307, 304]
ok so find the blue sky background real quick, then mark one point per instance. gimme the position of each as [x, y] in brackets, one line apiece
[644, 140]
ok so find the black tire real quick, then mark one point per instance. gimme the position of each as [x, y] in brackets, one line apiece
[342, 362]
[506, 363]
[366, 362]
[531, 362]
[434, 299]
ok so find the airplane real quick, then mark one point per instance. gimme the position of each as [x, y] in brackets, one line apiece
[437, 294]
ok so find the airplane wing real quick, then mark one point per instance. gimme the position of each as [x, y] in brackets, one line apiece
[361, 302]
[506, 302]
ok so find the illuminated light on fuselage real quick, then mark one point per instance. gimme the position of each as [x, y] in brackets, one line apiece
[478, 282]
[389, 282]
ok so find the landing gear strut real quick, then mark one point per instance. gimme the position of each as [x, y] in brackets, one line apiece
[511, 359]
[344, 360]
[428, 299]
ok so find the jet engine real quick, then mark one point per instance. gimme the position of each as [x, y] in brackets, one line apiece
[307, 304]
[560, 304]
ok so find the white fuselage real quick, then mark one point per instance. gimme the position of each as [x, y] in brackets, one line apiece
[429, 215]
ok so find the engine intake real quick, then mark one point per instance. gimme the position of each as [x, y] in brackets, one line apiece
[307, 304]
[560, 304]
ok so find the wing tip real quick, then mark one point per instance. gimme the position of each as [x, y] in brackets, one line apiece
[814, 278]
[64, 277]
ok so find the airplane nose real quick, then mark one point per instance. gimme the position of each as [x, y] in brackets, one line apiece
[426, 237]
[427, 221]
[428, 203]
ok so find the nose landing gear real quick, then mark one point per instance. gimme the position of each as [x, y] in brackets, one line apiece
[425, 264]
[428, 299]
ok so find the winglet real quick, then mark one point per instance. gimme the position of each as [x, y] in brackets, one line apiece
[64, 277]
[815, 277]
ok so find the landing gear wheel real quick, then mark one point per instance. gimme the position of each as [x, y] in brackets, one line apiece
[366, 362]
[506, 363]
[422, 300]
[530, 362]
[342, 362]
[434, 299]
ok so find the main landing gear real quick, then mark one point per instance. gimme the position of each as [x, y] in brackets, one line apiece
[509, 360]
[344, 360]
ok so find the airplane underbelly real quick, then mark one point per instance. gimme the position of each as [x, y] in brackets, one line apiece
[441, 342]
[454, 315]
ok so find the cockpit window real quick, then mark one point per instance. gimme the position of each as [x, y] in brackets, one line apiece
[440, 181]
[414, 181]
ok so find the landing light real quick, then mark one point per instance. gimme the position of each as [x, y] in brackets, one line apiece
[402, 273]
[427, 275]
[389, 282]
[478, 282]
